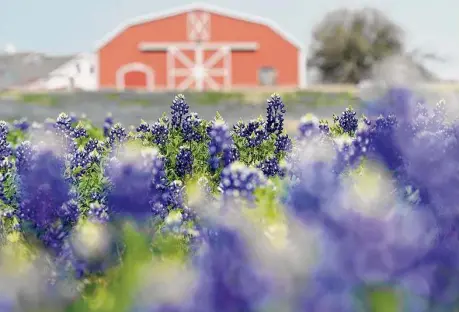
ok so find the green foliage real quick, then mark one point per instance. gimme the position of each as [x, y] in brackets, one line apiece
[336, 129]
[251, 156]
[39, 98]
[93, 131]
[116, 292]
[92, 181]
[365, 37]
[381, 299]
[215, 98]
[314, 99]
[16, 136]
[169, 246]
[267, 202]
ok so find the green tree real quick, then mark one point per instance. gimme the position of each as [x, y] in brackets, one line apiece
[347, 43]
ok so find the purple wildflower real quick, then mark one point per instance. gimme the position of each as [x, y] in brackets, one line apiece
[179, 110]
[184, 162]
[275, 115]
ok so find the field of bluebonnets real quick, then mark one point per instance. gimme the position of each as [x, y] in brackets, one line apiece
[186, 214]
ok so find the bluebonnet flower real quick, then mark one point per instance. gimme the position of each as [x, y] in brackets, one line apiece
[134, 190]
[439, 112]
[399, 101]
[240, 128]
[160, 200]
[351, 151]
[184, 162]
[91, 145]
[375, 140]
[385, 122]
[420, 154]
[3, 179]
[175, 193]
[366, 121]
[179, 110]
[108, 123]
[91, 250]
[64, 124]
[79, 132]
[384, 146]
[228, 278]
[271, 167]
[21, 124]
[144, 127]
[4, 130]
[283, 144]
[275, 115]
[312, 192]
[5, 147]
[160, 133]
[324, 127]
[309, 126]
[23, 154]
[230, 155]
[370, 250]
[98, 213]
[238, 180]
[347, 121]
[45, 205]
[190, 128]
[83, 158]
[258, 135]
[117, 134]
[254, 131]
[130, 191]
[220, 145]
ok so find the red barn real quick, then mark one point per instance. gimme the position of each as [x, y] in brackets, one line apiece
[199, 47]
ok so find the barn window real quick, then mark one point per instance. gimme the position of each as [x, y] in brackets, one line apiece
[267, 76]
[91, 69]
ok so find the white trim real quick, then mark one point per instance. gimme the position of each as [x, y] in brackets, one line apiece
[164, 46]
[170, 62]
[302, 79]
[198, 24]
[136, 66]
[97, 71]
[199, 6]
[200, 72]
[228, 77]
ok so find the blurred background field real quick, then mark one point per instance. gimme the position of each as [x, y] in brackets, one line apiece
[130, 107]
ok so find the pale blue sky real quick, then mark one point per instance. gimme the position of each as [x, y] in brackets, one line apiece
[58, 26]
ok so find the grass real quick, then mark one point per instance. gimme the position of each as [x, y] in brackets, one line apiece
[291, 98]
[252, 97]
[215, 98]
[317, 99]
[38, 98]
[135, 102]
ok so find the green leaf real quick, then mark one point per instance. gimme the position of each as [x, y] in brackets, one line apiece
[218, 116]
[382, 299]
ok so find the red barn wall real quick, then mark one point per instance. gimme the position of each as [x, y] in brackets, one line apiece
[273, 51]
